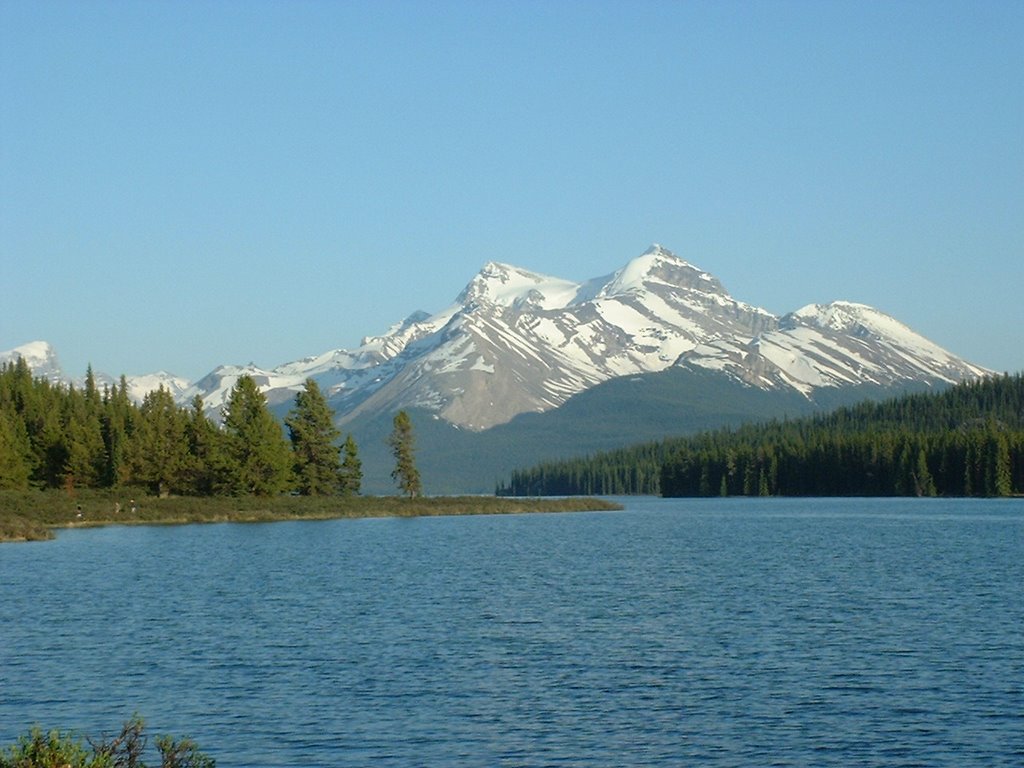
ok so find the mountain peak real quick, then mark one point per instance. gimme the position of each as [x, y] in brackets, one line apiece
[853, 318]
[657, 249]
[658, 265]
[506, 285]
[519, 341]
[39, 356]
[33, 350]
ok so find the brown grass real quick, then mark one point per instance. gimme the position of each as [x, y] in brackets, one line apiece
[32, 515]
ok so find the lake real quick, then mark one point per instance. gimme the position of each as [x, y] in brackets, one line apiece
[721, 632]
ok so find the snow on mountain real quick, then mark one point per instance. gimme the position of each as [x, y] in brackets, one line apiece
[833, 345]
[216, 386]
[522, 341]
[507, 286]
[658, 265]
[515, 341]
[40, 357]
[140, 386]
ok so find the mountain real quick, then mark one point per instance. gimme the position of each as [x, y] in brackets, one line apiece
[832, 345]
[515, 345]
[140, 386]
[516, 341]
[41, 357]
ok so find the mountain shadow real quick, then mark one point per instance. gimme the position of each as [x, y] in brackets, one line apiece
[611, 415]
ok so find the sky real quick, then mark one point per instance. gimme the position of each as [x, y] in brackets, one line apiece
[190, 184]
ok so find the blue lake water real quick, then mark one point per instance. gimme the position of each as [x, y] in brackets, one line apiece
[677, 632]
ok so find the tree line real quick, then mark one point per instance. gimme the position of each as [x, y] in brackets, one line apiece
[61, 436]
[965, 441]
[632, 471]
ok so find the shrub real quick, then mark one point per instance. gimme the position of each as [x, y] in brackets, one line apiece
[54, 749]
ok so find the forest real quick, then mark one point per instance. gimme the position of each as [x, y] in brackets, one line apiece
[59, 436]
[967, 440]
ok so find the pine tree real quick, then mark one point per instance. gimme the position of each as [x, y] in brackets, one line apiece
[351, 468]
[1002, 474]
[49, 445]
[208, 470]
[158, 450]
[313, 436]
[402, 444]
[39, 406]
[15, 452]
[923, 480]
[261, 462]
[86, 458]
[117, 424]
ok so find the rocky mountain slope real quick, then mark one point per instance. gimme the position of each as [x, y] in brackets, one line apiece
[523, 366]
[515, 341]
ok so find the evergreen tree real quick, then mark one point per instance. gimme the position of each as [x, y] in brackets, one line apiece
[92, 392]
[158, 450]
[967, 440]
[1002, 475]
[49, 445]
[39, 406]
[117, 423]
[208, 469]
[15, 452]
[351, 468]
[923, 480]
[403, 448]
[260, 460]
[313, 436]
[85, 458]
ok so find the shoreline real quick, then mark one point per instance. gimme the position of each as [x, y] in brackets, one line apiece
[35, 515]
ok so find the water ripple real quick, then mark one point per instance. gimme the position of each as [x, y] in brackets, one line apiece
[719, 633]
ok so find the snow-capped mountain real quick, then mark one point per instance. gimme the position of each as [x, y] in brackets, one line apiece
[832, 345]
[140, 386]
[42, 359]
[516, 341]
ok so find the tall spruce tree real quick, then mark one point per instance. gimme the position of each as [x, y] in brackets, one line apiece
[85, 459]
[209, 465]
[403, 447]
[261, 462]
[351, 468]
[158, 450]
[117, 425]
[15, 448]
[15, 451]
[313, 436]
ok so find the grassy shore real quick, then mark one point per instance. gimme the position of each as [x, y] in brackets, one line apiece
[32, 515]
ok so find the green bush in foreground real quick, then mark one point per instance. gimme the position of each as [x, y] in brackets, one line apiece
[63, 750]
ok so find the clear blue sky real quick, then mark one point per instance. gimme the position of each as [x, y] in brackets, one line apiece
[184, 184]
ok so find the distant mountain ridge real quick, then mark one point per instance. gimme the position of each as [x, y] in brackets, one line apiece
[42, 359]
[515, 346]
[515, 341]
